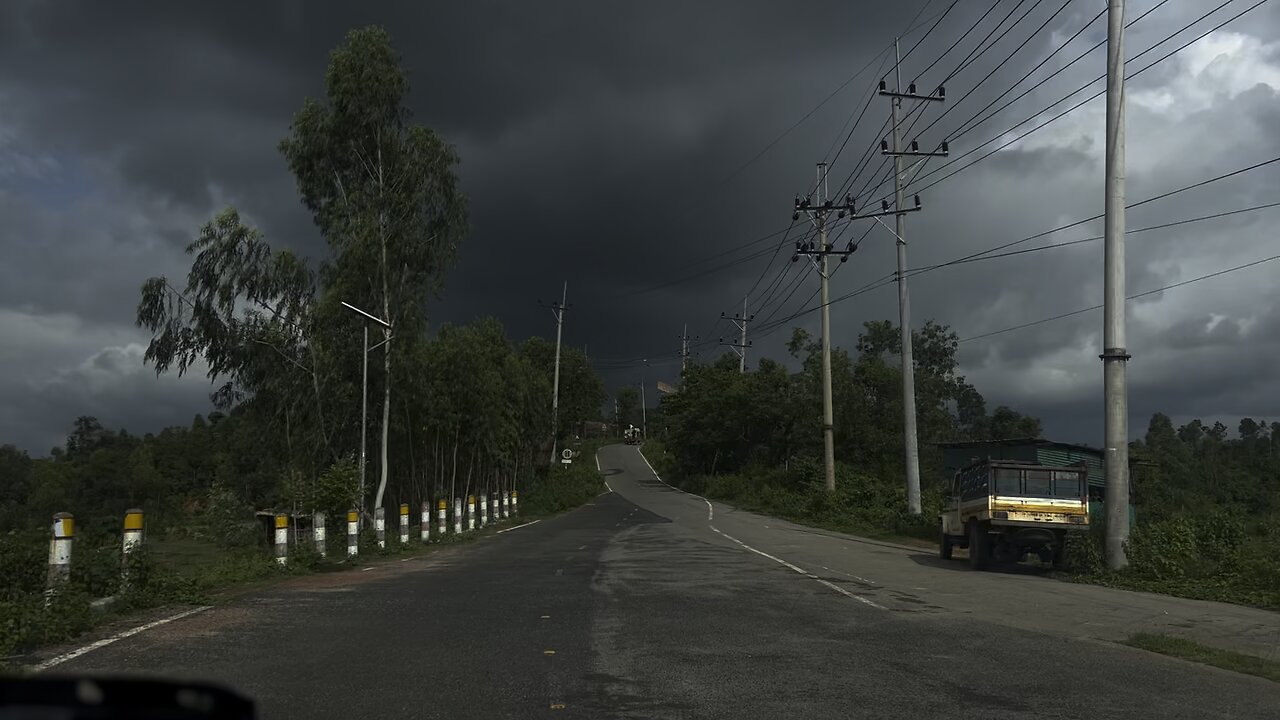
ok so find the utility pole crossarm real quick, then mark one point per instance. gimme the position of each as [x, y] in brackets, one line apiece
[911, 94]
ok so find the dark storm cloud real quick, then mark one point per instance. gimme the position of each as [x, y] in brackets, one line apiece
[596, 139]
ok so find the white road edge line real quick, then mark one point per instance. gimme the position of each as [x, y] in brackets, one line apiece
[118, 636]
[803, 572]
[517, 527]
[851, 575]
[601, 471]
[711, 512]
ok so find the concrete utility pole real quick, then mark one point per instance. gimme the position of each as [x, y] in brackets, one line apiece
[558, 311]
[364, 393]
[644, 408]
[684, 348]
[1115, 355]
[911, 450]
[740, 347]
[818, 211]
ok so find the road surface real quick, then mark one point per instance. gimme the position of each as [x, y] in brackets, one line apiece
[651, 603]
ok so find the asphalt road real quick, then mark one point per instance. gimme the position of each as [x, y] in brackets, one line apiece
[651, 603]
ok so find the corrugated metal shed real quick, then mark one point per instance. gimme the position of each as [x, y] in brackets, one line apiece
[957, 455]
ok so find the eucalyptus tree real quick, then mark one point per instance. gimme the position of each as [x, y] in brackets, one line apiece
[382, 191]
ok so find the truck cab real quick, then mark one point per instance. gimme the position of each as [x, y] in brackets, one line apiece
[1003, 510]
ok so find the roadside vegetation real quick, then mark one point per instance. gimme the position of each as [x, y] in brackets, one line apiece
[1207, 505]
[453, 410]
[1195, 652]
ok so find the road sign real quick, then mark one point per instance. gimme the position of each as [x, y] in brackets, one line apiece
[567, 454]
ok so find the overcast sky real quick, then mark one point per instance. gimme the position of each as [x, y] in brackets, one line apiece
[604, 143]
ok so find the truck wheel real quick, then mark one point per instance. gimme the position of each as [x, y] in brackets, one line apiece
[944, 546]
[979, 547]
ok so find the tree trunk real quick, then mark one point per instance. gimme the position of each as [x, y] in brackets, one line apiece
[453, 478]
[386, 334]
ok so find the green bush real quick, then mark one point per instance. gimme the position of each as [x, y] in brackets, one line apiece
[1164, 550]
[24, 563]
[561, 488]
[1083, 551]
[26, 623]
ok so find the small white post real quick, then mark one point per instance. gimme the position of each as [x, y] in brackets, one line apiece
[380, 525]
[426, 521]
[317, 532]
[515, 508]
[353, 533]
[471, 512]
[404, 523]
[282, 538]
[132, 541]
[457, 516]
[59, 554]
[442, 509]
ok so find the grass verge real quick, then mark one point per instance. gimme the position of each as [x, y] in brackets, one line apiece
[169, 572]
[860, 507]
[1195, 652]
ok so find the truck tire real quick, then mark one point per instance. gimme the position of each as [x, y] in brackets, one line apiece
[979, 546]
[944, 545]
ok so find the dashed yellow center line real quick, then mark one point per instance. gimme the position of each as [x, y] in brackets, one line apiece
[557, 706]
[546, 617]
[548, 652]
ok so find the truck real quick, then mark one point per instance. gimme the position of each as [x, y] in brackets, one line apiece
[1003, 510]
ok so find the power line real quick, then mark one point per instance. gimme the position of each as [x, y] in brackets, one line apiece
[964, 127]
[769, 146]
[969, 60]
[1095, 238]
[959, 40]
[713, 270]
[1130, 297]
[1077, 223]
[1010, 56]
[875, 285]
[776, 250]
[955, 135]
[982, 43]
[1073, 107]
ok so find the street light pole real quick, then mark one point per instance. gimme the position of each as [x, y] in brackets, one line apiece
[364, 393]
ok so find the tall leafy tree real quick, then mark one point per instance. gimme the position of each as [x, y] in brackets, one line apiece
[247, 313]
[382, 191]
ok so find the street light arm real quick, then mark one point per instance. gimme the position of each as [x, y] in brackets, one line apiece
[369, 316]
